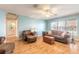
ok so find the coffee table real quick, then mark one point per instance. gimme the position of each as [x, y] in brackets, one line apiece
[49, 39]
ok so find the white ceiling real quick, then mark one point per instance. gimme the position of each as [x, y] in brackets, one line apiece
[28, 10]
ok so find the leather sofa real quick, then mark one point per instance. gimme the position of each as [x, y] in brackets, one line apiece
[2, 39]
[29, 36]
[7, 48]
[58, 36]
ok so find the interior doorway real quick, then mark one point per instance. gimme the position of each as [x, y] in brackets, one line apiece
[11, 24]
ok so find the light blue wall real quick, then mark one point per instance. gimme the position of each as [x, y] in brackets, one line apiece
[47, 25]
[26, 23]
[2, 23]
[65, 18]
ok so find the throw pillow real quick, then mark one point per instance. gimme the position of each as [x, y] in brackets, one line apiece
[49, 32]
[63, 34]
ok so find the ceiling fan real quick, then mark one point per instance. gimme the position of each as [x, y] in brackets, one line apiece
[45, 9]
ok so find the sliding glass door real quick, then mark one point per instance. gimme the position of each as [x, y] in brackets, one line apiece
[71, 26]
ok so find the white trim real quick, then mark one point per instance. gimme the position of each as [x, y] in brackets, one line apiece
[17, 28]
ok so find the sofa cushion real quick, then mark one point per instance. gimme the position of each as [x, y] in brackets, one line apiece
[59, 33]
[54, 32]
[58, 37]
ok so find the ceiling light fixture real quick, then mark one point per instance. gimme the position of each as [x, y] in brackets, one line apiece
[45, 10]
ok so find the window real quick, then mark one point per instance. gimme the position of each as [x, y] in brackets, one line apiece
[65, 25]
[54, 25]
[61, 25]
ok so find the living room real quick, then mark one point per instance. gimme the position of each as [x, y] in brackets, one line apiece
[48, 28]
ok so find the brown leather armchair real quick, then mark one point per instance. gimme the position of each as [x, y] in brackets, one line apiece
[29, 36]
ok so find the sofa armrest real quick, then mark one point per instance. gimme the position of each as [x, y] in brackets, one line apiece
[2, 51]
[44, 33]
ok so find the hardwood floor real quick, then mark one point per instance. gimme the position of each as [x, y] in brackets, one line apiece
[39, 47]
